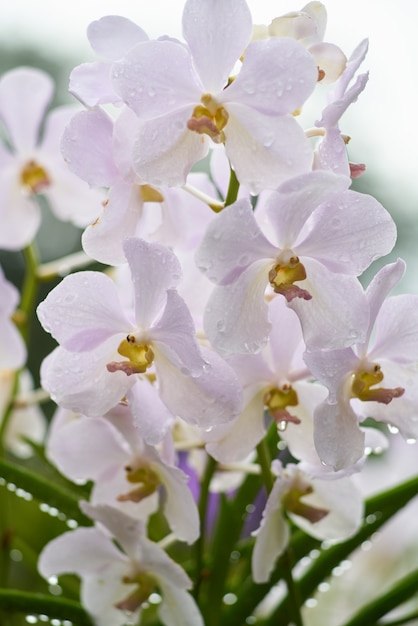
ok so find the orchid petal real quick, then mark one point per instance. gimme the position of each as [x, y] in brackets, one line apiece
[215, 397]
[166, 150]
[179, 508]
[80, 381]
[91, 84]
[234, 442]
[174, 336]
[151, 416]
[337, 436]
[217, 34]
[87, 147]
[156, 78]
[25, 94]
[264, 150]
[236, 315]
[276, 78]
[154, 269]
[273, 535]
[232, 242]
[83, 551]
[178, 607]
[85, 448]
[113, 35]
[296, 199]
[338, 309]
[83, 311]
[396, 330]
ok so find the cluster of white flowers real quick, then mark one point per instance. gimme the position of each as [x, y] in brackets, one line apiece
[233, 304]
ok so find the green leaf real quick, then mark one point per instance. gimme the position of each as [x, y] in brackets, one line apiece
[44, 490]
[14, 601]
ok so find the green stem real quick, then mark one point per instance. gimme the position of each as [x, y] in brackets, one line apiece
[396, 595]
[12, 601]
[202, 507]
[264, 460]
[233, 189]
[29, 289]
[293, 593]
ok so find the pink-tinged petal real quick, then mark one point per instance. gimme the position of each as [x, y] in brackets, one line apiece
[12, 346]
[86, 448]
[103, 239]
[330, 59]
[83, 311]
[91, 84]
[20, 215]
[151, 416]
[129, 532]
[334, 111]
[174, 336]
[348, 232]
[337, 316]
[299, 437]
[273, 535]
[87, 148]
[84, 551]
[332, 367]
[166, 150]
[179, 506]
[9, 296]
[156, 78]
[178, 607]
[217, 33]
[331, 154]
[157, 562]
[232, 242]
[154, 270]
[234, 442]
[344, 504]
[287, 356]
[276, 78]
[337, 436]
[380, 286]
[101, 594]
[71, 199]
[215, 397]
[113, 35]
[396, 330]
[236, 315]
[263, 150]
[25, 94]
[296, 199]
[81, 382]
[356, 59]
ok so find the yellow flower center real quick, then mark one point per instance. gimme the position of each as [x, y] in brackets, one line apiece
[145, 478]
[34, 178]
[277, 400]
[367, 376]
[146, 585]
[209, 118]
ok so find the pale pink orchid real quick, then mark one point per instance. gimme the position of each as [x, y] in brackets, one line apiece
[321, 236]
[110, 37]
[115, 580]
[375, 378]
[32, 166]
[308, 27]
[272, 381]
[127, 473]
[331, 153]
[107, 354]
[97, 149]
[324, 509]
[182, 95]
